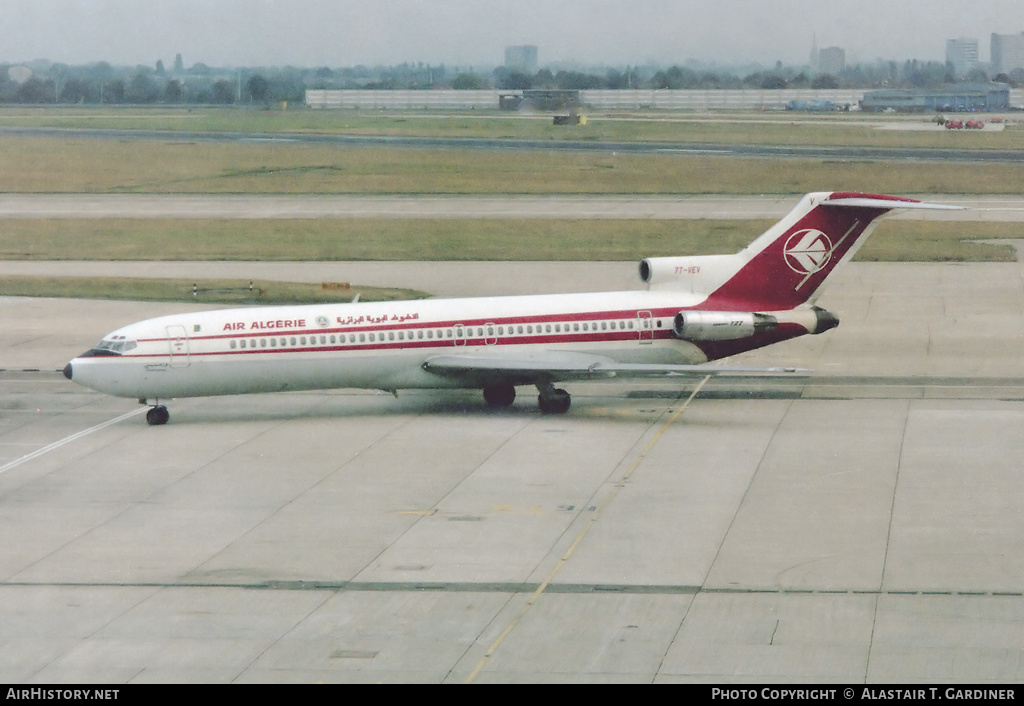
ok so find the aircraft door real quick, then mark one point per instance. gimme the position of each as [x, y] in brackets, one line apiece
[177, 341]
[460, 335]
[646, 322]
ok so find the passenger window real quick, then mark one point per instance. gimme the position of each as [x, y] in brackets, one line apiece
[234, 345]
[391, 335]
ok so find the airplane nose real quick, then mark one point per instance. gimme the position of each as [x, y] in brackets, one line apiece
[67, 371]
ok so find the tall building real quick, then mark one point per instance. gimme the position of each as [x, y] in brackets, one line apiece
[521, 58]
[1007, 52]
[831, 60]
[962, 53]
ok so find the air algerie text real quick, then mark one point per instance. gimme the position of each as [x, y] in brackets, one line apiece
[265, 325]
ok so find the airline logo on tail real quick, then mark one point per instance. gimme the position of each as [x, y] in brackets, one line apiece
[808, 251]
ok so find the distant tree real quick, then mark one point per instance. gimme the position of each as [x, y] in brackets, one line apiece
[174, 92]
[259, 88]
[179, 65]
[142, 89]
[977, 76]
[576, 81]
[160, 70]
[35, 91]
[544, 79]
[773, 82]
[77, 90]
[223, 92]
[515, 81]
[114, 92]
[467, 82]
[825, 81]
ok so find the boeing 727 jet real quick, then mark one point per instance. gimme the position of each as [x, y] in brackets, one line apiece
[694, 310]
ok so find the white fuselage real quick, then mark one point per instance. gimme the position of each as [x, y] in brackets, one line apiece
[381, 346]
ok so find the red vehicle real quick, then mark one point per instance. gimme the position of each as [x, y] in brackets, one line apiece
[954, 125]
[975, 124]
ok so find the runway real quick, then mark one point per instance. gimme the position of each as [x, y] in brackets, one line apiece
[978, 208]
[862, 525]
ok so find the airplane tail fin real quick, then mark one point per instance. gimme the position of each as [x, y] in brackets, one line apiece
[788, 264]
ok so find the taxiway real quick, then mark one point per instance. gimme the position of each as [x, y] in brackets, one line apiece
[862, 525]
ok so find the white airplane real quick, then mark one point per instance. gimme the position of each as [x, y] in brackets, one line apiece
[694, 310]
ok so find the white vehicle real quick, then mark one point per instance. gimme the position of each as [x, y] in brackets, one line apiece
[694, 310]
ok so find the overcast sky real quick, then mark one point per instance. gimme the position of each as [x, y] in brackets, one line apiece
[475, 32]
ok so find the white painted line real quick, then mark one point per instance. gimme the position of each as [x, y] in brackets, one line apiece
[67, 440]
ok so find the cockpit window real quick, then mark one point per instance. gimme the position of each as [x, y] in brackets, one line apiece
[115, 345]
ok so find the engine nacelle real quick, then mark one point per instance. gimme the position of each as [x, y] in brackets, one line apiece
[694, 273]
[720, 325]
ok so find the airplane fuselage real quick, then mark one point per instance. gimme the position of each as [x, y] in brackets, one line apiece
[384, 346]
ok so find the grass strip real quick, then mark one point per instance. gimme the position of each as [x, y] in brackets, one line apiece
[208, 291]
[460, 240]
[56, 165]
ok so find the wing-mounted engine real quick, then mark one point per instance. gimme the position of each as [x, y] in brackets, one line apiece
[720, 325]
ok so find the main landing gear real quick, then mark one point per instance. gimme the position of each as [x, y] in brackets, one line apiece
[157, 415]
[551, 400]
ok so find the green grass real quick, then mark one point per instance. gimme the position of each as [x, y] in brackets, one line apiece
[52, 165]
[198, 291]
[459, 239]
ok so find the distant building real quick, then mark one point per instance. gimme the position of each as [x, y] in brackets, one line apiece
[831, 60]
[521, 58]
[1007, 52]
[962, 53]
[963, 97]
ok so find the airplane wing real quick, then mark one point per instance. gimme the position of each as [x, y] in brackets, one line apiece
[558, 366]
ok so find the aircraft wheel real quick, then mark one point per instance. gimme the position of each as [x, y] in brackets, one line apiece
[158, 415]
[500, 395]
[555, 402]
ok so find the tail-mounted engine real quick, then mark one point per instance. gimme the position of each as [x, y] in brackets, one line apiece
[720, 325]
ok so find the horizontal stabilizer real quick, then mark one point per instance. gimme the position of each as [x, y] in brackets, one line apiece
[876, 201]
